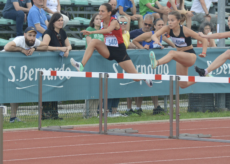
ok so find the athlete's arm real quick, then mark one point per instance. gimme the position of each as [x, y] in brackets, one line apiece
[216, 35]
[140, 38]
[188, 32]
[155, 36]
[113, 25]
[170, 43]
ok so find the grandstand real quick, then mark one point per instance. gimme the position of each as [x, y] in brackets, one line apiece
[81, 12]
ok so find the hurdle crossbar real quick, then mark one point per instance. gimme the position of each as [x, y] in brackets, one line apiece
[138, 76]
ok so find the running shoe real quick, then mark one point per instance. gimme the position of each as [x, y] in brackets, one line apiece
[153, 60]
[139, 111]
[14, 119]
[200, 71]
[149, 82]
[77, 65]
[129, 112]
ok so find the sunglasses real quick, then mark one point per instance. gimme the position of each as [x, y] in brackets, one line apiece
[125, 23]
[59, 37]
[146, 24]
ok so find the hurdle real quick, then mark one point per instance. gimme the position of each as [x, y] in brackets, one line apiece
[106, 76]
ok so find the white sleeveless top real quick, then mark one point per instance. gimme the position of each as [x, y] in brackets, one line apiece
[52, 5]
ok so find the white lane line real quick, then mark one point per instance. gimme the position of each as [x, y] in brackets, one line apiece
[89, 144]
[171, 160]
[116, 152]
[43, 138]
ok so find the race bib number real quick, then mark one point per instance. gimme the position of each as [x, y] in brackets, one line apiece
[179, 42]
[111, 41]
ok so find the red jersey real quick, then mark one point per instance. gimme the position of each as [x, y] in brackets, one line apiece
[114, 38]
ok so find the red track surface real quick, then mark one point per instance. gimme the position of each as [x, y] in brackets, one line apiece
[40, 147]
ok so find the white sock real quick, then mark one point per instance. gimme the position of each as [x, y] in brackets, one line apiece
[206, 72]
[127, 109]
[137, 108]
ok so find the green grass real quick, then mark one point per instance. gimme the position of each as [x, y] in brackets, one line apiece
[78, 120]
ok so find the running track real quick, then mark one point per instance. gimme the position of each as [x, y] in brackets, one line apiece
[36, 147]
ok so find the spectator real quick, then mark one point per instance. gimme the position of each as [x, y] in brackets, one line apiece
[200, 9]
[179, 6]
[147, 26]
[113, 3]
[122, 7]
[26, 44]
[56, 37]
[123, 21]
[206, 29]
[37, 18]
[95, 24]
[52, 6]
[148, 7]
[57, 40]
[147, 42]
[17, 10]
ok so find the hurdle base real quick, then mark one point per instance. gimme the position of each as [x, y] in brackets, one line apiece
[196, 135]
[128, 130]
[59, 127]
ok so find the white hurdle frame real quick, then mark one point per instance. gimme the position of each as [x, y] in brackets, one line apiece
[171, 78]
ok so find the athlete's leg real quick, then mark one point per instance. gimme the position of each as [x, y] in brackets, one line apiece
[184, 58]
[99, 46]
[183, 70]
[93, 44]
[220, 60]
[129, 68]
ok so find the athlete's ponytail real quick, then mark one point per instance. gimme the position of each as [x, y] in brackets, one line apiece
[109, 8]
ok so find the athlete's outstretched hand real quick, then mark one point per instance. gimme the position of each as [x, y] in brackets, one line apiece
[158, 42]
[202, 55]
[201, 34]
[86, 32]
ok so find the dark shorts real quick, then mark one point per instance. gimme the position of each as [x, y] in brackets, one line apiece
[190, 51]
[118, 53]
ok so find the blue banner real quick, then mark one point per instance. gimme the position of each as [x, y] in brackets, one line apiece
[19, 76]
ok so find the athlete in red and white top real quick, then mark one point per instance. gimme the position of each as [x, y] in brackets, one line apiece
[178, 5]
[113, 48]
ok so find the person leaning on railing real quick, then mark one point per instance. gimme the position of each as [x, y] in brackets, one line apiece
[57, 40]
[26, 44]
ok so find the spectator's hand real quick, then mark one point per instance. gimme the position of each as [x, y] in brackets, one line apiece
[165, 10]
[162, 47]
[146, 47]
[66, 54]
[86, 32]
[63, 49]
[25, 18]
[201, 34]
[134, 17]
[26, 52]
[31, 51]
[189, 13]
